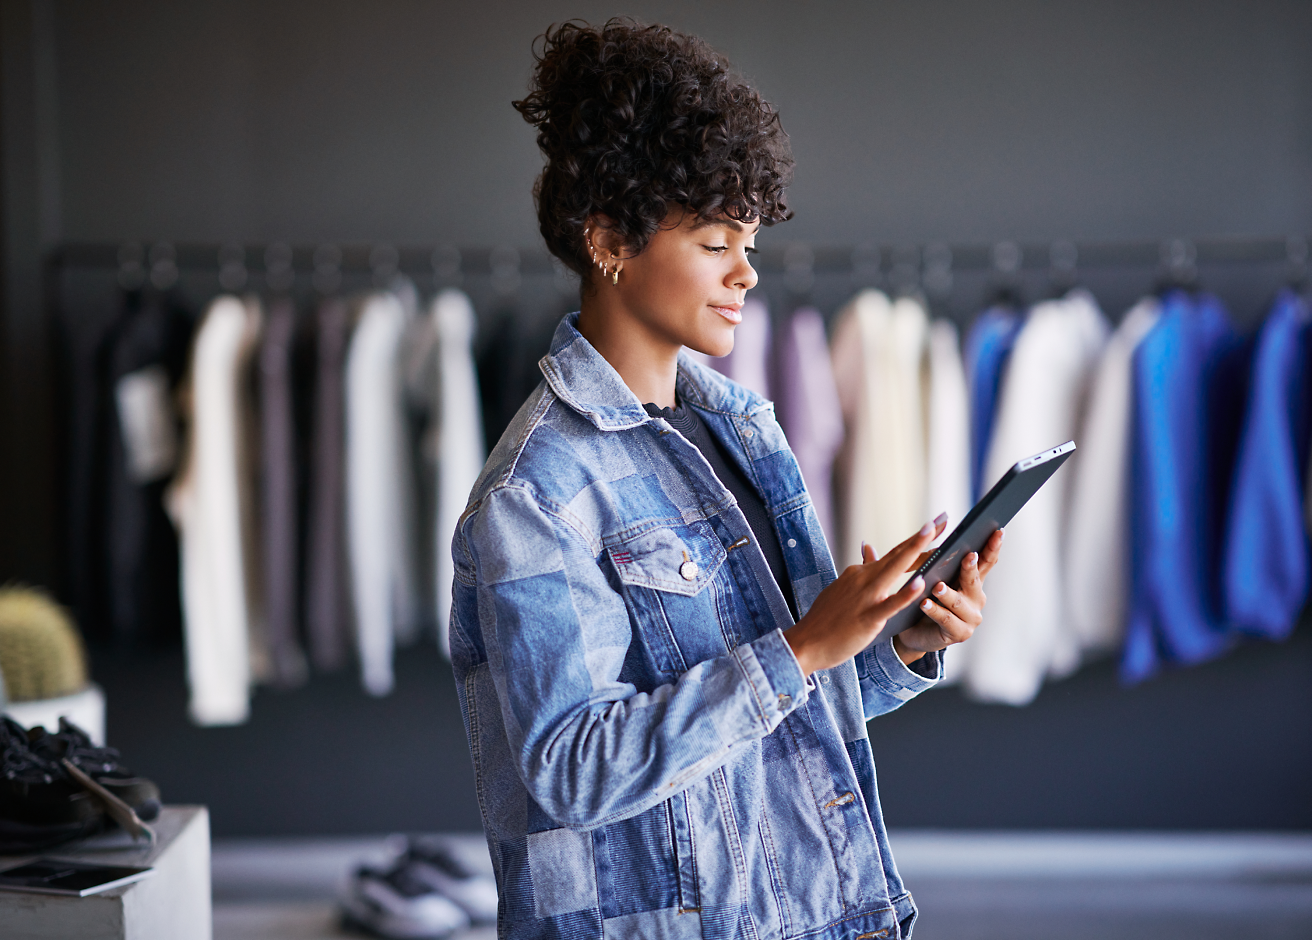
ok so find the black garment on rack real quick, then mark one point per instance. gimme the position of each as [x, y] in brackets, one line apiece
[686, 421]
[128, 564]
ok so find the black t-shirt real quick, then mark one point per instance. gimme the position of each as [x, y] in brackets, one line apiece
[686, 422]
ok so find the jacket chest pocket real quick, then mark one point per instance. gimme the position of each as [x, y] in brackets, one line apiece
[669, 580]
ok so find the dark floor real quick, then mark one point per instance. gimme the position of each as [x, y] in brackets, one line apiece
[969, 886]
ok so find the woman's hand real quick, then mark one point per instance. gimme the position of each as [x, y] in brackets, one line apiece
[953, 614]
[850, 613]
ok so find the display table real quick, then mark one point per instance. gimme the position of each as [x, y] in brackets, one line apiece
[171, 904]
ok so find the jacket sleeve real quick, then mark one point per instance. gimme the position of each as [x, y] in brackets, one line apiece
[888, 683]
[590, 748]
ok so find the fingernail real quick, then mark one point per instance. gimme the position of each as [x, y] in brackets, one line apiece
[972, 558]
[927, 529]
[927, 604]
[940, 519]
[863, 551]
[918, 584]
[1002, 534]
[940, 588]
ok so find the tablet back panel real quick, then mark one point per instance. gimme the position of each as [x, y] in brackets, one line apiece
[991, 513]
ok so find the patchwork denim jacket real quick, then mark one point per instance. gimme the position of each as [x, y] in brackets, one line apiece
[651, 762]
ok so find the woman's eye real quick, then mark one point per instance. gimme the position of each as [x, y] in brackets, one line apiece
[751, 250]
[716, 248]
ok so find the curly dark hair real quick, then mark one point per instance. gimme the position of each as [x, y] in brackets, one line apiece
[637, 120]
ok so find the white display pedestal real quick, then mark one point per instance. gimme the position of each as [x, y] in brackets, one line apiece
[86, 709]
[171, 904]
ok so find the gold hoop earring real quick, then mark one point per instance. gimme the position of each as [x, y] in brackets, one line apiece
[615, 276]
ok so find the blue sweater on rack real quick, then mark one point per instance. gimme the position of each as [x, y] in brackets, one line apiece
[1266, 546]
[1189, 384]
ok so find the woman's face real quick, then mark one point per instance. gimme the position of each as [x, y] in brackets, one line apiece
[687, 287]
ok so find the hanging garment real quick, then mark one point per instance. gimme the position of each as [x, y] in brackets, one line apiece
[808, 408]
[458, 438]
[1188, 399]
[878, 353]
[947, 429]
[278, 493]
[379, 503]
[327, 595]
[988, 347]
[208, 502]
[144, 358]
[749, 362]
[508, 367]
[1098, 533]
[1040, 406]
[1266, 545]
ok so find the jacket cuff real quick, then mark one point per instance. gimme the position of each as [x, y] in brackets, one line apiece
[898, 679]
[775, 675]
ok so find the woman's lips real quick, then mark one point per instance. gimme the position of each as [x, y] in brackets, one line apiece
[732, 314]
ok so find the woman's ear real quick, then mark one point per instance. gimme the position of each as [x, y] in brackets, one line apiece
[601, 239]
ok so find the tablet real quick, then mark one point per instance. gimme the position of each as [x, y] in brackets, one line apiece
[991, 513]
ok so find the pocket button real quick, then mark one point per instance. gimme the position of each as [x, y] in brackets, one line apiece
[688, 570]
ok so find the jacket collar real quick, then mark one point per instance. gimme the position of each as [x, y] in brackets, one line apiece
[583, 379]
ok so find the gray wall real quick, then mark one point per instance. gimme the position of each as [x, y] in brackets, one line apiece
[356, 121]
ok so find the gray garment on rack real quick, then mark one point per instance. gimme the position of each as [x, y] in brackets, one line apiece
[278, 492]
[327, 600]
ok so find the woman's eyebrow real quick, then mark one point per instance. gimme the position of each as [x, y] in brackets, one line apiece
[724, 223]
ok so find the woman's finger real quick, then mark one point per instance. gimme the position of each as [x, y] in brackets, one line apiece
[894, 602]
[970, 576]
[953, 628]
[957, 602]
[992, 552]
[899, 559]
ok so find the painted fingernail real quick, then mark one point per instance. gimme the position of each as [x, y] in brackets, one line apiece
[972, 558]
[917, 585]
[1002, 534]
[927, 604]
[927, 529]
[940, 519]
[940, 588]
[863, 551]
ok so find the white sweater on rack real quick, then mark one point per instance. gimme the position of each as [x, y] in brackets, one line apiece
[1040, 405]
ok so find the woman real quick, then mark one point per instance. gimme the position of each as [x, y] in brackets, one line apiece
[664, 684]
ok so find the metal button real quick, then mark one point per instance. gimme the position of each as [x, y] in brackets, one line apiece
[792, 543]
[688, 570]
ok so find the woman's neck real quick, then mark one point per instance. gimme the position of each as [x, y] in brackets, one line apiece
[646, 361]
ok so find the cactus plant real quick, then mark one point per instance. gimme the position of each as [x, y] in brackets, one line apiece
[41, 651]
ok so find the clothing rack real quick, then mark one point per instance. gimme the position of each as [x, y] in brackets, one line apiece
[867, 257]
[955, 279]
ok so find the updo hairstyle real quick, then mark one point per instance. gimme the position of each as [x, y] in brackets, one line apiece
[637, 120]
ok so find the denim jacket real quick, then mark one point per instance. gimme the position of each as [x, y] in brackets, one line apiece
[651, 762]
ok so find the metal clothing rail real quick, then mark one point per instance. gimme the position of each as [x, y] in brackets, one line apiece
[872, 257]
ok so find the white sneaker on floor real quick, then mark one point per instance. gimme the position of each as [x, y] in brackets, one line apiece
[436, 865]
[395, 904]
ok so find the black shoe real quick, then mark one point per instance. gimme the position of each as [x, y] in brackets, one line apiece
[40, 805]
[101, 764]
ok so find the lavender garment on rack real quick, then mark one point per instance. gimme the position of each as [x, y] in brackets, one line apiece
[749, 363]
[278, 493]
[808, 408]
[327, 599]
